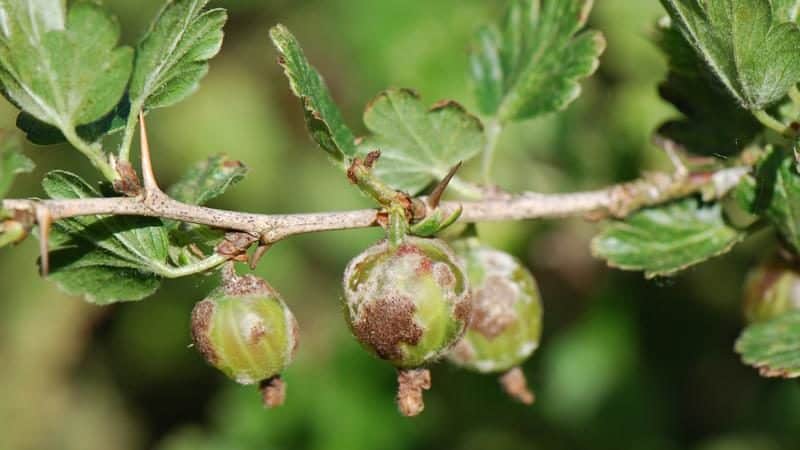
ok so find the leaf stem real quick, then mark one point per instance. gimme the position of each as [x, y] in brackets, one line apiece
[124, 153]
[203, 265]
[772, 123]
[493, 130]
[92, 151]
[794, 94]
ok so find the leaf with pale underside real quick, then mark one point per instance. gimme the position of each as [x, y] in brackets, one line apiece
[750, 48]
[533, 63]
[323, 118]
[95, 247]
[772, 347]
[418, 145]
[713, 123]
[666, 239]
[207, 179]
[99, 276]
[173, 56]
[63, 69]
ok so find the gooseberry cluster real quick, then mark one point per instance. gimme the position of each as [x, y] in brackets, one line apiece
[411, 302]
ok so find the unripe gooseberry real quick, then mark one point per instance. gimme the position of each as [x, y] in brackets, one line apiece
[245, 330]
[407, 304]
[770, 290]
[506, 314]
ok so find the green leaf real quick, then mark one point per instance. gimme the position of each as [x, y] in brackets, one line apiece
[533, 63]
[750, 49]
[775, 194]
[101, 277]
[41, 133]
[323, 118]
[418, 145]
[666, 239]
[62, 71]
[714, 123]
[12, 162]
[786, 10]
[141, 242]
[207, 179]
[773, 347]
[173, 56]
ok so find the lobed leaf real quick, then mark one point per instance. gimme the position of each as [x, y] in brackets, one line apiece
[323, 118]
[666, 239]
[750, 48]
[207, 179]
[775, 194]
[714, 123]
[418, 145]
[63, 71]
[533, 63]
[773, 347]
[173, 56]
[97, 247]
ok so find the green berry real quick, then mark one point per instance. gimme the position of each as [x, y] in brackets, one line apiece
[506, 314]
[770, 290]
[245, 329]
[407, 304]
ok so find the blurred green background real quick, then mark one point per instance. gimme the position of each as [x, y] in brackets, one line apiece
[624, 363]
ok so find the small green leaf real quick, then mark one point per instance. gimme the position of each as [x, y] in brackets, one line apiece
[775, 194]
[141, 242]
[63, 71]
[532, 65]
[12, 162]
[748, 46]
[772, 347]
[418, 145]
[323, 118]
[173, 56]
[714, 123]
[101, 277]
[41, 133]
[207, 179]
[666, 239]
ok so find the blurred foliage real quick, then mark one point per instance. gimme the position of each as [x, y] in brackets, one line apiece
[624, 363]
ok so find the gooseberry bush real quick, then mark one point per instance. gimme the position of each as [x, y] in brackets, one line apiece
[431, 291]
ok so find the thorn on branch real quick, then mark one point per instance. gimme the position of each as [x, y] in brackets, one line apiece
[150, 184]
[258, 254]
[438, 191]
[45, 221]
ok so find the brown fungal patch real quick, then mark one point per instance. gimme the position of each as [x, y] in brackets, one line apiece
[444, 275]
[386, 323]
[493, 307]
[257, 331]
[463, 309]
[247, 285]
[516, 386]
[463, 351]
[201, 326]
[295, 337]
[409, 249]
[425, 267]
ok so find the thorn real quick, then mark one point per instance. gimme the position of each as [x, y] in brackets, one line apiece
[150, 184]
[258, 254]
[671, 148]
[44, 220]
[438, 191]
